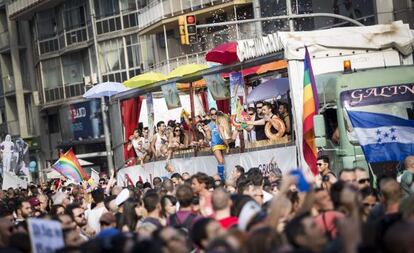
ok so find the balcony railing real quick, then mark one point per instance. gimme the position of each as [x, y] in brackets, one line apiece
[64, 39]
[74, 89]
[160, 9]
[54, 94]
[4, 40]
[64, 92]
[162, 66]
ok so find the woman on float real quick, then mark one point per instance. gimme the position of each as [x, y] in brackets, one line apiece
[215, 133]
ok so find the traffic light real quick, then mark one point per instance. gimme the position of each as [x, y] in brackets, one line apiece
[191, 29]
[188, 29]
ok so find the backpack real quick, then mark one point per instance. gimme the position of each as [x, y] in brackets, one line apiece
[185, 225]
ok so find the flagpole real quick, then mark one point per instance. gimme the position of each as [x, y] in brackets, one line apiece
[103, 103]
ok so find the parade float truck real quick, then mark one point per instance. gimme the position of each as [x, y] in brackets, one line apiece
[366, 68]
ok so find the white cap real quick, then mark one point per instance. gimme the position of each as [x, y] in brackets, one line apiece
[249, 210]
[122, 197]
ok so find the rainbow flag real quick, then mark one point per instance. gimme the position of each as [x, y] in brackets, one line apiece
[69, 167]
[310, 108]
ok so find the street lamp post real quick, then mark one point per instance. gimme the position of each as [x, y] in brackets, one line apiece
[103, 103]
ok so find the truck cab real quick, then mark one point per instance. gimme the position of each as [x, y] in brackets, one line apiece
[387, 90]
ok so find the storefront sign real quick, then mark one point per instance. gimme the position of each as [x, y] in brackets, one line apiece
[85, 119]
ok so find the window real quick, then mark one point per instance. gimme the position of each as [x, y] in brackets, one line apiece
[128, 5]
[106, 8]
[111, 55]
[47, 25]
[133, 51]
[52, 77]
[72, 68]
[74, 14]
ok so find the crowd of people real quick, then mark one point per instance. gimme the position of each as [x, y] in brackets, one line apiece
[171, 137]
[247, 212]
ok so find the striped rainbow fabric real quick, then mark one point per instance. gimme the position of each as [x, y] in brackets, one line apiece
[310, 108]
[69, 167]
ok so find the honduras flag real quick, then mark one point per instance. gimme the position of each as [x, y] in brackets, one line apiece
[383, 137]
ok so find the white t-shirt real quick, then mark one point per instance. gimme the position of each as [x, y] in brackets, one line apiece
[135, 143]
[93, 217]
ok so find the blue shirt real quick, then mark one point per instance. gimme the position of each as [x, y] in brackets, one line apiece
[215, 135]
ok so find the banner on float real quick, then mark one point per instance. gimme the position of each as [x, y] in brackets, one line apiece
[172, 99]
[236, 89]
[211, 102]
[150, 112]
[266, 160]
[217, 86]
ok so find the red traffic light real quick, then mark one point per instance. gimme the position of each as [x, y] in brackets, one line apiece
[191, 20]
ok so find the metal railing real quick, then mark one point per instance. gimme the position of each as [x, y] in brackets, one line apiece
[64, 92]
[54, 94]
[63, 39]
[162, 66]
[74, 89]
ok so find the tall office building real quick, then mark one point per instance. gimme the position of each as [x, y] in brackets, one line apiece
[47, 55]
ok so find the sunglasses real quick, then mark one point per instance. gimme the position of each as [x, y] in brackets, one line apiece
[251, 113]
[363, 181]
[319, 164]
[177, 130]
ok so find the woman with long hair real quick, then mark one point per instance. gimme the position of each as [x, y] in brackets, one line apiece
[130, 216]
[178, 140]
[168, 207]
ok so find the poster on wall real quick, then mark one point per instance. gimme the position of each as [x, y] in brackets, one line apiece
[14, 156]
[217, 87]
[172, 99]
[85, 120]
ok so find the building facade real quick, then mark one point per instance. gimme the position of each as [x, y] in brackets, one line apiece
[47, 55]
